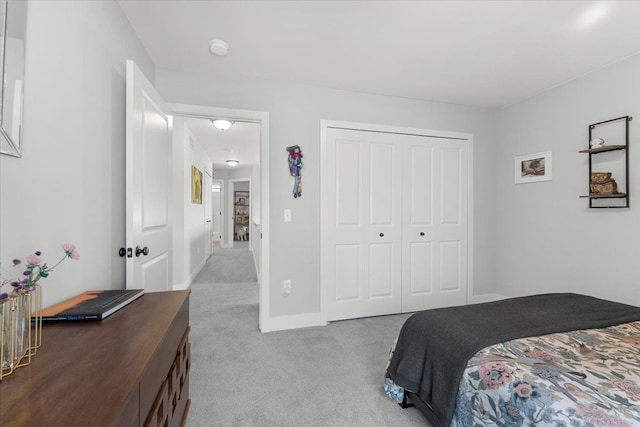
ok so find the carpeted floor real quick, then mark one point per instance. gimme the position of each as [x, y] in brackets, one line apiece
[322, 376]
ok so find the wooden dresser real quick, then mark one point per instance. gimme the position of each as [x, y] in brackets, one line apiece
[131, 369]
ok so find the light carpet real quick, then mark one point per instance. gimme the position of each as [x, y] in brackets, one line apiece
[320, 376]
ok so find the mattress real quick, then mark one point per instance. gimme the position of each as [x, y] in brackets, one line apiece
[534, 365]
[579, 378]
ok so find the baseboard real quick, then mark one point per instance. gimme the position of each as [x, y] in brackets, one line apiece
[256, 266]
[281, 323]
[477, 299]
[181, 286]
[185, 285]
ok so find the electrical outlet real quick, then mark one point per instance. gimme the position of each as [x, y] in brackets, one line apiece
[286, 287]
[287, 215]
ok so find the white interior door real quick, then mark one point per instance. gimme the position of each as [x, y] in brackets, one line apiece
[434, 232]
[216, 218]
[395, 227]
[148, 152]
[364, 230]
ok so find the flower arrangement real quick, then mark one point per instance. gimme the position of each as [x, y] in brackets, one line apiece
[34, 271]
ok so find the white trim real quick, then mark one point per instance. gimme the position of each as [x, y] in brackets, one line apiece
[232, 211]
[281, 323]
[324, 195]
[262, 118]
[192, 276]
[180, 287]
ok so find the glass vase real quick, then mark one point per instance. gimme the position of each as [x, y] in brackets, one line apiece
[7, 336]
[20, 330]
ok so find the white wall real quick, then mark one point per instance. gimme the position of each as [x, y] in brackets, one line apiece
[295, 112]
[190, 231]
[69, 185]
[548, 239]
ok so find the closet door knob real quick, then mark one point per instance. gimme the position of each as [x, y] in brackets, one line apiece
[422, 233]
[381, 234]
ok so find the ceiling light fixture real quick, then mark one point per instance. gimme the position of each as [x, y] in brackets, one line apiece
[219, 47]
[222, 124]
[232, 163]
[594, 14]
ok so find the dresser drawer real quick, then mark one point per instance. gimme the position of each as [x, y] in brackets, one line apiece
[163, 362]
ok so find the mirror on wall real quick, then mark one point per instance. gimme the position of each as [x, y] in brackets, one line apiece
[13, 25]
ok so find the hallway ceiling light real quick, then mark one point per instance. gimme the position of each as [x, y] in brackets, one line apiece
[232, 163]
[222, 124]
[219, 47]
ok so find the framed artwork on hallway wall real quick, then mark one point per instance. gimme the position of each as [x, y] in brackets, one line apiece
[196, 185]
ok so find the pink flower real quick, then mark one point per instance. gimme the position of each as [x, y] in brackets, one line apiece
[524, 390]
[33, 260]
[70, 250]
[495, 374]
[598, 417]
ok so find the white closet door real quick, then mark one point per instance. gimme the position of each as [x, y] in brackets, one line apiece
[434, 233]
[364, 224]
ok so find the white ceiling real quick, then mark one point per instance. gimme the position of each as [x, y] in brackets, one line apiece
[480, 53]
[240, 142]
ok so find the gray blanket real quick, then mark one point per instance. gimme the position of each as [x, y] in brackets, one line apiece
[434, 345]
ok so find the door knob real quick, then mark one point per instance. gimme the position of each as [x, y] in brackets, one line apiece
[144, 251]
[422, 233]
[381, 234]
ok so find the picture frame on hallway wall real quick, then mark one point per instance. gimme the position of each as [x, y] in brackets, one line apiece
[196, 185]
[534, 167]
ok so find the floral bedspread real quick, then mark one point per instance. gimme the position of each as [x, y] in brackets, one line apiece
[583, 378]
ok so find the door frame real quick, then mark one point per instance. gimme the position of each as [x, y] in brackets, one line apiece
[262, 118]
[221, 213]
[325, 193]
[231, 183]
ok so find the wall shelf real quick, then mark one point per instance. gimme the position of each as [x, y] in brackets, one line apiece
[603, 149]
[605, 196]
[613, 130]
[241, 215]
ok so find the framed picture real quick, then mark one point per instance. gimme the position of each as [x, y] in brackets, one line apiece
[196, 185]
[533, 167]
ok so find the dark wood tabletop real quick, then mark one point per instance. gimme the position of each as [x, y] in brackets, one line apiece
[88, 372]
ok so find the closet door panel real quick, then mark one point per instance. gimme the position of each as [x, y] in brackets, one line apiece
[364, 232]
[347, 279]
[450, 186]
[450, 266]
[381, 270]
[383, 186]
[435, 177]
[420, 184]
[347, 173]
[420, 269]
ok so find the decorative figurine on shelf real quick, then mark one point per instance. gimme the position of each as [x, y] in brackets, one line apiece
[295, 165]
[596, 143]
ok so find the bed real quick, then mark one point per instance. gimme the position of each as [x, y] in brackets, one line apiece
[543, 360]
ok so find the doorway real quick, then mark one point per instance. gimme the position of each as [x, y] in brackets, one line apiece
[217, 197]
[240, 211]
[261, 185]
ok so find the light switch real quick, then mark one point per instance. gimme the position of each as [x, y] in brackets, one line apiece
[287, 215]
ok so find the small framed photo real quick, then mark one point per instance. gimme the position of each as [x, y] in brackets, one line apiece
[533, 167]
